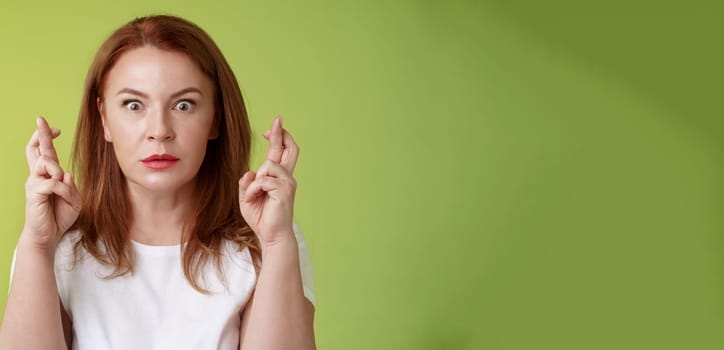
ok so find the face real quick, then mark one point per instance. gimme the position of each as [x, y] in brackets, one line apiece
[158, 112]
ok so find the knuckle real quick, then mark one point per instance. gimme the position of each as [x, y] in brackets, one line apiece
[46, 159]
[39, 165]
[37, 187]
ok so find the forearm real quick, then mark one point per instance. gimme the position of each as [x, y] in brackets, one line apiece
[280, 316]
[32, 317]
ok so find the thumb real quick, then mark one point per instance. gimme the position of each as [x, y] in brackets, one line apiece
[68, 180]
[75, 195]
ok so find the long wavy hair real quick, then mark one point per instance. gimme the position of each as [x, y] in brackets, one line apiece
[104, 217]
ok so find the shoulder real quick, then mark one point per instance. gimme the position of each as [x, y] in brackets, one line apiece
[68, 276]
[305, 265]
[64, 254]
[234, 256]
[69, 238]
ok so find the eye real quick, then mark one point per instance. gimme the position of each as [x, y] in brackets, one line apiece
[185, 105]
[132, 105]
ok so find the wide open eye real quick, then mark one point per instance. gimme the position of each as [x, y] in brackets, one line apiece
[132, 105]
[185, 105]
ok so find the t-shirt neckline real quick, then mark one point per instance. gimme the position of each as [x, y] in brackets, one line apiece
[165, 250]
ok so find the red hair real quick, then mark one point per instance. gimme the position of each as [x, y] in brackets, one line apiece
[104, 217]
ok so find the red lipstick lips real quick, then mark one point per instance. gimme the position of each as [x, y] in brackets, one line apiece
[159, 161]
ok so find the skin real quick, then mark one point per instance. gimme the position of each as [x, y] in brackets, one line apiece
[145, 111]
[278, 316]
[147, 108]
[52, 205]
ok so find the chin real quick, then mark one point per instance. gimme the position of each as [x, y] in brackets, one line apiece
[161, 182]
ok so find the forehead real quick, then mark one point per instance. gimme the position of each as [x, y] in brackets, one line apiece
[155, 72]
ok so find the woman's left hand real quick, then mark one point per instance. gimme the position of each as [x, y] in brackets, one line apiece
[266, 198]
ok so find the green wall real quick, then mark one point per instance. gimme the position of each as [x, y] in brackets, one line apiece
[473, 175]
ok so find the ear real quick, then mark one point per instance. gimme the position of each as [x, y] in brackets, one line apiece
[101, 111]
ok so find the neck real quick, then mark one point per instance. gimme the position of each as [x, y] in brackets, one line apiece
[158, 218]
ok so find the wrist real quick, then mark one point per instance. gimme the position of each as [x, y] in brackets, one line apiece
[30, 240]
[27, 246]
[284, 247]
[282, 238]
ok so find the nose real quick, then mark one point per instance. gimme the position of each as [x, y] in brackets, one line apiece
[158, 126]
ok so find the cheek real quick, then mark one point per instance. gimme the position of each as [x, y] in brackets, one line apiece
[196, 132]
[125, 139]
[195, 143]
[193, 140]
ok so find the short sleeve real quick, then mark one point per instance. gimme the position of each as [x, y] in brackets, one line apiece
[12, 268]
[305, 264]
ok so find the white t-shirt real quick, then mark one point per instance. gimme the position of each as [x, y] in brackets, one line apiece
[156, 307]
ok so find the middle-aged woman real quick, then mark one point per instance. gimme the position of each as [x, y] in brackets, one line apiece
[168, 241]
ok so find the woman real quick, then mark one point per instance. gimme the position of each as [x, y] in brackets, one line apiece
[168, 242]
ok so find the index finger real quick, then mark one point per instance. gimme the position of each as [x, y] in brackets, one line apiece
[46, 139]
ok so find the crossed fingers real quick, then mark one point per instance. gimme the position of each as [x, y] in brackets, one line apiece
[282, 148]
[40, 148]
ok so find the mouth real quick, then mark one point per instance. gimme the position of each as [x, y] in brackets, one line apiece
[159, 161]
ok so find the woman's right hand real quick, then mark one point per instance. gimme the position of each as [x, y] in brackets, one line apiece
[52, 201]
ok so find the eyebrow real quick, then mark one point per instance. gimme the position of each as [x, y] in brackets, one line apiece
[144, 95]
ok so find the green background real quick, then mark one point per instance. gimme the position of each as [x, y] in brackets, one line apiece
[473, 174]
